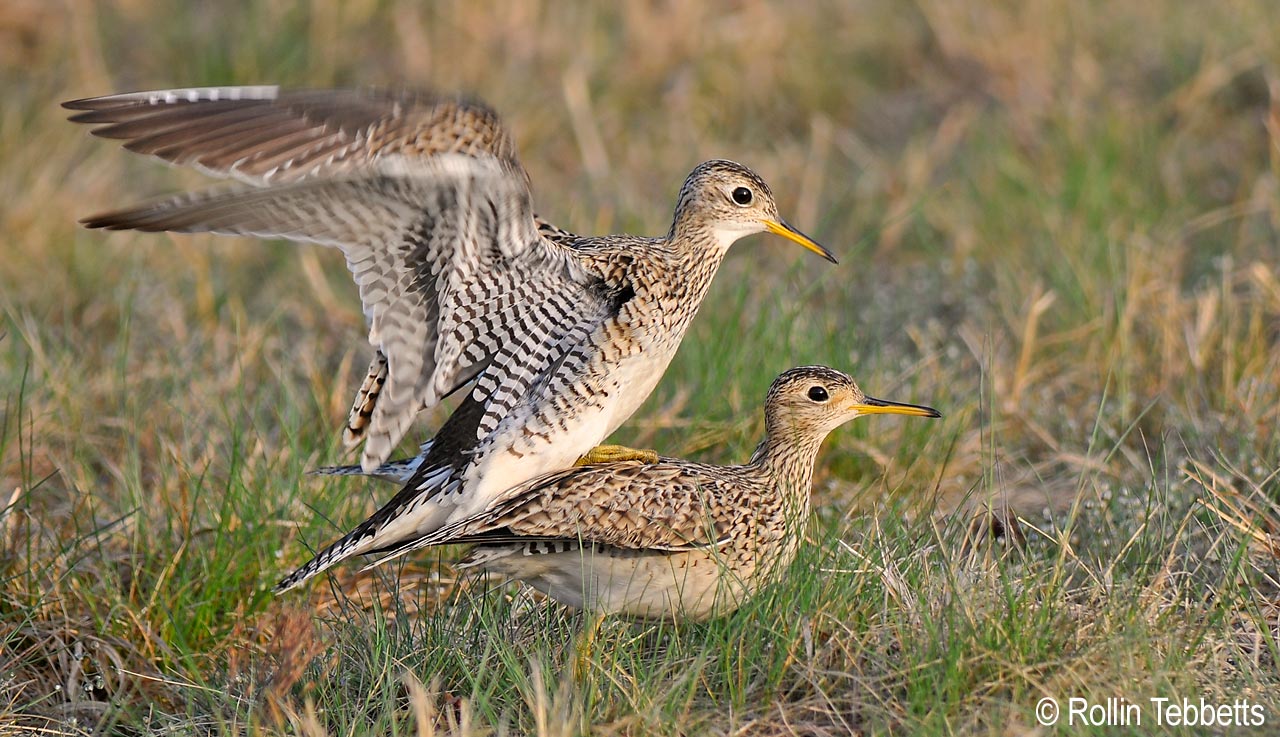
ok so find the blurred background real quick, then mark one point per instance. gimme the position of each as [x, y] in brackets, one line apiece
[1057, 222]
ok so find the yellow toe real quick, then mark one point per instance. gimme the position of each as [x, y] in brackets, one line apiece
[615, 453]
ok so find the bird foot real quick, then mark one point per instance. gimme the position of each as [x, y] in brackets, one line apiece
[615, 453]
[584, 648]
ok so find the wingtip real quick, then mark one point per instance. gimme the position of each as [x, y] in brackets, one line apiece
[97, 102]
[87, 104]
[110, 221]
[94, 222]
[92, 105]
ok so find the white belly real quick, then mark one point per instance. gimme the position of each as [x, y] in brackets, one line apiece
[636, 379]
[516, 457]
[692, 585]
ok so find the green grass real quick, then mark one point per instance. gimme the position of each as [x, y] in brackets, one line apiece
[1056, 223]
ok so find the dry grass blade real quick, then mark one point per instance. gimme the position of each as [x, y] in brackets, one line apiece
[1057, 225]
[1257, 516]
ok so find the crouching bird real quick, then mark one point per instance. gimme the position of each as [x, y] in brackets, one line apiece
[671, 539]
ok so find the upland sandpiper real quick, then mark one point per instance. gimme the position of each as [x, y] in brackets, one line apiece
[671, 538]
[560, 337]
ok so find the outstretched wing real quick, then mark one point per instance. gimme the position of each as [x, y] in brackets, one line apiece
[422, 195]
[264, 135]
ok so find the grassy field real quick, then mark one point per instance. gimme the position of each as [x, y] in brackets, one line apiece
[1058, 222]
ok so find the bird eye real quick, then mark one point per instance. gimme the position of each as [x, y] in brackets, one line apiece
[818, 394]
[742, 196]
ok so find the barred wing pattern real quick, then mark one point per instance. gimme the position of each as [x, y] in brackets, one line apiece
[549, 350]
[358, 418]
[426, 202]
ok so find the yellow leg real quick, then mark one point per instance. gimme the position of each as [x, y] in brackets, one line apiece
[615, 453]
[585, 646]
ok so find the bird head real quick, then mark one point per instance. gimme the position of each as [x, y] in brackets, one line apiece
[730, 201]
[815, 400]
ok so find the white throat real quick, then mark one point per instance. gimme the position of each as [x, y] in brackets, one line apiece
[727, 236]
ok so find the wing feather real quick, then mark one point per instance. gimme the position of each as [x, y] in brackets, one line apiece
[669, 506]
[445, 246]
[265, 135]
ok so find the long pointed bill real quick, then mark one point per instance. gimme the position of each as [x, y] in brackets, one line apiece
[873, 406]
[784, 229]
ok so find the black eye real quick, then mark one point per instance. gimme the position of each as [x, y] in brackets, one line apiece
[742, 196]
[818, 394]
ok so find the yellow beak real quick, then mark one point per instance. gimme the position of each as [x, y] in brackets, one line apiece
[873, 406]
[784, 229]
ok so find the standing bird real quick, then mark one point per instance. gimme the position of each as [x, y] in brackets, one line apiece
[671, 538]
[561, 337]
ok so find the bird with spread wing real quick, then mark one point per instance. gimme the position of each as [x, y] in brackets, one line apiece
[556, 338]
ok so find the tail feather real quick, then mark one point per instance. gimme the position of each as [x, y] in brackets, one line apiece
[399, 471]
[395, 524]
[344, 548]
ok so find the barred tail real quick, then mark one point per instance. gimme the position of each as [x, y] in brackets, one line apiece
[420, 507]
[351, 544]
[398, 471]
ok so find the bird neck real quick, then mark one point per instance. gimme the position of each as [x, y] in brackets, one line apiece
[700, 238]
[788, 454]
[695, 252]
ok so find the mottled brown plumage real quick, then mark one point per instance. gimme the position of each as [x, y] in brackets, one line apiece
[551, 340]
[672, 538]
